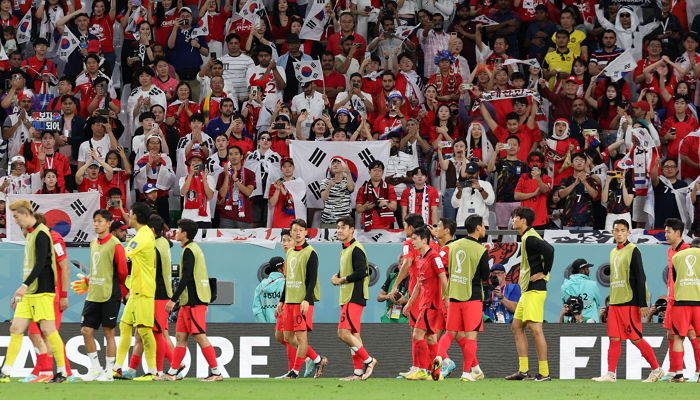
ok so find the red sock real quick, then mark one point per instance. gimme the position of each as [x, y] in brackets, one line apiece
[614, 352]
[444, 343]
[676, 361]
[475, 362]
[210, 355]
[422, 352]
[311, 353]
[134, 361]
[357, 362]
[432, 352]
[297, 363]
[468, 350]
[48, 363]
[363, 354]
[648, 354]
[696, 353]
[39, 365]
[161, 345]
[291, 355]
[168, 352]
[69, 371]
[178, 355]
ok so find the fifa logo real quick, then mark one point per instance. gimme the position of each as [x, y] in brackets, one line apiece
[689, 264]
[460, 257]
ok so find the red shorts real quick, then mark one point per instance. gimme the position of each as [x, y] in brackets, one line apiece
[295, 321]
[624, 322]
[668, 316]
[351, 317]
[34, 327]
[685, 318]
[412, 316]
[465, 316]
[160, 316]
[279, 323]
[192, 320]
[431, 320]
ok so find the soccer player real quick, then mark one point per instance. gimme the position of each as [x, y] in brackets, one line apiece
[627, 299]
[193, 293]
[43, 369]
[108, 271]
[468, 266]
[139, 308]
[353, 279]
[34, 299]
[686, 309]
[426, 299]
[673, 229]
[536, 262]
[301, 290]
[164, 291]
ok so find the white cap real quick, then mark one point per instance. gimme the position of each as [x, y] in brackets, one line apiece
[17, 159]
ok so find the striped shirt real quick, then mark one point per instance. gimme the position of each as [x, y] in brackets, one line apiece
[338, 203]
[235, 69]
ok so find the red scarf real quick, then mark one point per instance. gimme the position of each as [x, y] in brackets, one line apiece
[370, 196]
[195, 195]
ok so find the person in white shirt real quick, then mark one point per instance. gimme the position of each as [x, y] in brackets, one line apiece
[353, 98]
[345, 63]
[235, 66]
[474, 198]
[18, 181]
[310, 100]
[432, 41]
[102, 140]
[271, 80]
[209, 70]
[17, 126]
[265, 163]
[398, 165]
[142, 98]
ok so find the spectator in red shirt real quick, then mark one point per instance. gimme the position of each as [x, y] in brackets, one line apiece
[49, 158]
[533, 189]
[235, 185]
[235, 135]
[677, 126]
[283, 202]
[89, 178]
[558, 150]
[115, 205]
[179, 111]
[528, 133]
[50, 183]
[347, 28]
[332, 82]
[562, 101]
[392, 120]
[421, 199]
[281, 135]
[163, 80]
[376, 200]
[445, 79]
[40, 68]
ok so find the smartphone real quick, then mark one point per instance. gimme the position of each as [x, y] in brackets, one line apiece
[303, 110]
[358, 45]
[103, 112]
[135, 3]
[368, 55]
[278, 125]
[356, 85]
[506, 146]
[590, 132]
[199, 167]
[453, 34]
[213, 55]
[154, 125]
[114, 203]
[445, 144]
[254, 91]
[368, 8]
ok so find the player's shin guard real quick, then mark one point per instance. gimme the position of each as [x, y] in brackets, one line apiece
[648, 353]
[291, 356]
[357, 365]
[422, 354]
[468, 352]
[57, 350]
[614, 351]
[696, 353]
[210, 355]
[176, 362]
[311, 353]
[676, 361]
[12, 351]
[149, 347]
[298, 361]
[444, 343]
[363, 355]
[124, 343]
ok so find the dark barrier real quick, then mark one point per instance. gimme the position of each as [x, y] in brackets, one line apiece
[251, 350]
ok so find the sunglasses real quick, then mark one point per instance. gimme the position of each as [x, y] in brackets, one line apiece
[625, 15]
[266, 139]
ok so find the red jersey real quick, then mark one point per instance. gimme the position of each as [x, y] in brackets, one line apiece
[246, 144]
[333, 80]
[165, 26]
[410, 252]
[689, 148]
[280, 147]
[430, 266]
[60, 163]
[335, 45]
[182, 120]
[526, 135]
[119, 180]
[217, 23]
[169, 86]
[446, 84]
[385, 124]
[429, 194]
[210, 107]
[669, 281]
[99, 185]
[37, 68]
[242, 28]
[283, 213]
[683, 128]
[61, 253]
[527, 184]
[103, 29]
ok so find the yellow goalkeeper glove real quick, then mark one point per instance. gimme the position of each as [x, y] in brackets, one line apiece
[81, 285]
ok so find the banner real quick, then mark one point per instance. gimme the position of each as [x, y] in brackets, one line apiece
[67, 44]
[24, 30]
[625, 62]
[251, 10]
[313, 160]
[638, 236]
[403, 31]
[315, 21]
[307, 71]
[531, 62]
[68, 214]
[506, 94]
[485, 20]
[202, 30]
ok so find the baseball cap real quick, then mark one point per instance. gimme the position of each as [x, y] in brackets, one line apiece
[498, 267]
[579, 264]
[274, 264]
[293, 38]
[180, 11]
[641, 104]
[152, 137]
[573, 79]
[195, 154]
[394, 94]
[149, 187]
[118, 225]
[17, 159]
[472, 168]
[94, 164]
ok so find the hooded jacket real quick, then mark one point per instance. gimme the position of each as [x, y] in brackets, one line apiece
[582, 285]
[628, 38]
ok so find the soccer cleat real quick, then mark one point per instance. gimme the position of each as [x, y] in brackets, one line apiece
[4, 378]
[447, 367]
[419, 375]
[539, 378]
[213, 378]
[605, 378]
[58, 378]
[73, 379]
[411, 370]
[677, 379]
[467, 377]
[694, 379]
[167, 377]
[352, 377]
[478, 376]
[309, 367]
[42, 378]
[105, 376]
[518, 376]
[28, 378]
[667, 377]
[654, 375]
[284, 376]
[318, 372]
[145, 378]
[436, 369]
[118, 374]
[291, 375]
[92, 375]
[369, 368]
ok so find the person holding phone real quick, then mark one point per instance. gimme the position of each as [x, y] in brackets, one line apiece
[234, 185]
[618, 193]
[197, 188]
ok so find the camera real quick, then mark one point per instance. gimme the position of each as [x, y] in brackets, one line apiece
[493, 280]
[506, 146]
[575, 304]
[213, 55]
[356, 85]
[113, 203]
[661, 305]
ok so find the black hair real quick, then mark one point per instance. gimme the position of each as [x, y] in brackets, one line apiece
[197, 117]
[234, 147]
[156, 223]
[450, 225]
[518, 100]
[103, 213]
[667, 159]
[232, 36]
[419, 169]
[225, 100]
[374, 164]
[299, 222]
[579, 155]
[183, 83]
[422, 233]
[146, 114]
[69, 97]
[286, 232]
[189, 227]
[535, 153]
[622, 222]
[386, 73]
[526, 213]
[472, 222]
[414, 220]
[605, 103]
[141, 211]
[116, 153]
[115, 191]
[346, 220]
[563, 32]
[66, 78]
[512, 115]
[675, 224]
[144, 70]
[517, 139]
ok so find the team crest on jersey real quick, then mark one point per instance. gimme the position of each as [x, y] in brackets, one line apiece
[133, 244]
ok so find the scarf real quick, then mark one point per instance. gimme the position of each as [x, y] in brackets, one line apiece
[682, 196]
[425, 205]
[486, 146]
[47, 29]
[640, 157]
[234, 194]
[412, 87]
[195, 196]
[385, 214]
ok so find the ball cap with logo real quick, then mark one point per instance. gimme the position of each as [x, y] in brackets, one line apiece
[274, 264]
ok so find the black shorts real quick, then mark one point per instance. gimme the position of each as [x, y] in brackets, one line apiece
[96, 314]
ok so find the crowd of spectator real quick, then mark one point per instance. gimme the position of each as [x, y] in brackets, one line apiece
[190, 106]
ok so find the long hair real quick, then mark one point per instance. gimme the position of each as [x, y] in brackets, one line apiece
[450, 120]
[605, 103]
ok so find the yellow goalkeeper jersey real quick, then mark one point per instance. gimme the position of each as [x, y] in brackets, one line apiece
[141, 250]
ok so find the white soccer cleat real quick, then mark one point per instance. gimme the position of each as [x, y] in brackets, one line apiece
[654, 375]
[92, 375]
[105, 376]
[605, 378]
[467, 377]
